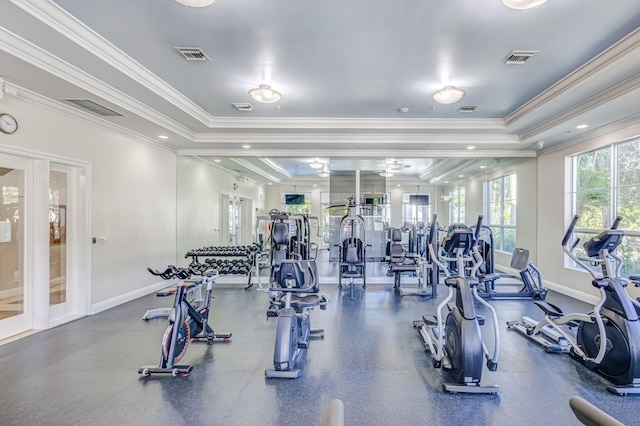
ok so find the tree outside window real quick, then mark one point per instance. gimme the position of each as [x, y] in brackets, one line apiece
[501, 211]
[606, 184]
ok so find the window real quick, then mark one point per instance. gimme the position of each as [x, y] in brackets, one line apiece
[501, 212]
[415, 208]
[605, 185]
[457, 206]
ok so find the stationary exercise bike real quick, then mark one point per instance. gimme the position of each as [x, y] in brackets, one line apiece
[291, 300]
[186, 322]
[455, 341]
[608, 339]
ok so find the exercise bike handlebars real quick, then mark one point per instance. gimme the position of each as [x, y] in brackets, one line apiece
[183, 273]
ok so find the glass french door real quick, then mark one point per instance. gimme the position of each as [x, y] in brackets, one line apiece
[57, 236]
[16, 292]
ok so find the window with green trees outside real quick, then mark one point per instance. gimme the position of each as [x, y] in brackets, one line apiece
[606, 184]
[501, 211]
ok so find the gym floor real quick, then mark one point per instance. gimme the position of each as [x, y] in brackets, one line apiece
[372, 358]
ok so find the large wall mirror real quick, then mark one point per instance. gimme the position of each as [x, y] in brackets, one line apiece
[219, 198]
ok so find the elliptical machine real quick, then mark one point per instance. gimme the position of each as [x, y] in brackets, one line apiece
[186, 321]
[455, 341]
[291, 301]
[607, 339]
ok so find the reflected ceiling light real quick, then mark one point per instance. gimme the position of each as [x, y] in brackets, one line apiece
[164, 137]
[196, 3]
[315, 164]
[324, 174]
[582, 126]
[470, 147]
[265, 94]
[522, 4]
[449, 95]
[385, 174]
[395, 165]
[246, 146]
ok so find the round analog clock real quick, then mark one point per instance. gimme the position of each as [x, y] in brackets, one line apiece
[8, 124]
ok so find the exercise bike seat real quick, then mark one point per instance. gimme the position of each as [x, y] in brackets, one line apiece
[549, 309]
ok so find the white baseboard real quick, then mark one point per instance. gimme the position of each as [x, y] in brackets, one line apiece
[576, 294]
[128, 297]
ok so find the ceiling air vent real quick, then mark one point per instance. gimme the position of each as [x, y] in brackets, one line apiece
[467, 108]
[243, 107]
[94, 107]
[192, 53]
[519, 57]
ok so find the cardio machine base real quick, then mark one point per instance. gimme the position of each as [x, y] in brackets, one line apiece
[283, 374]
[176, 370]
[460, 388]
[549, 339]
[212, 337]
[623, 390]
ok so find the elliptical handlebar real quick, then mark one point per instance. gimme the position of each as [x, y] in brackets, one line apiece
[569, 233]
[476, 234]
[616, 222]
[433, 228]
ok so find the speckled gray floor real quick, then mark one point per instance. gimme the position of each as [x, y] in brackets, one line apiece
[85, 372]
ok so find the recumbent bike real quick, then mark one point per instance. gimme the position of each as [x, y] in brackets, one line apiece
[607, 340]
[186, 321]
[292, 296]
[455, 341]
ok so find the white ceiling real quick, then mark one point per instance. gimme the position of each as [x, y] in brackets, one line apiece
[345, 68]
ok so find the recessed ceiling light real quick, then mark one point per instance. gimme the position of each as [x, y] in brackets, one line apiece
[446, 181]
[460, 175]
[217, 160]
[471, 147]
[196, 3]
[483, 167]
[449, 95]
[582, 126]
[269, 183]
[246, 146]
[315, 185]
[403, 110]
[163, 137]
[398, 185]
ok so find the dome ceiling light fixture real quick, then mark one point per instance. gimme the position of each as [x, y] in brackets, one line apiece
[324, 174]
[394, 165]
[449, 95]
[315, 164]
[522, 4]
[196, 3]
[385, 174]
[265, 94]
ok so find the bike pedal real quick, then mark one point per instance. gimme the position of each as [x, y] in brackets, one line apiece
[303, 345]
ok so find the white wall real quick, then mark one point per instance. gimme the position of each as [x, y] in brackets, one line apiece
[199, 187]
[133, 195]
[555, 213]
